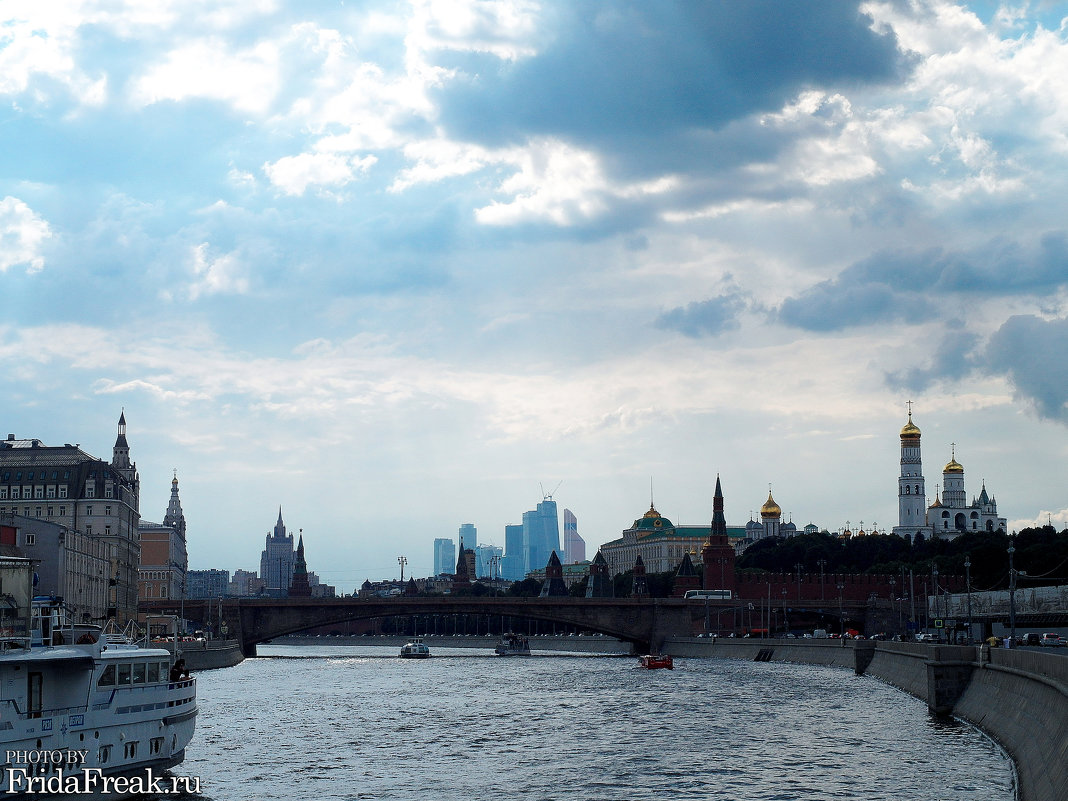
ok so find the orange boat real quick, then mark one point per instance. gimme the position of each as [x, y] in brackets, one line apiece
[654, 661]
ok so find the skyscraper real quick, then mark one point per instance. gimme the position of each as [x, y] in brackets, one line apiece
[488, 561]
[541, 535]
[444, 556]
[469, 535]
[574, 545]
[276, 560]
[512, 562]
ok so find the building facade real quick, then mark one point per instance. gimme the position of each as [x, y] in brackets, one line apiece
[69, 487]
[163, 560]
[277, 560]
[211, 583]
[512, 562]
[574, 545]
[69, 565]
[541, 535]
[444, 556]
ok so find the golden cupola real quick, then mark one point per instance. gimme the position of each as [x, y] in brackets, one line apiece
[910, 430]
[770, 508]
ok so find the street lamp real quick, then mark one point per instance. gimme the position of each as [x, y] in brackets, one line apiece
[785, 620]
[823, 591]
[1012, 593]
[402, 561]
[968, 587]
[934, 589]
[841, 615]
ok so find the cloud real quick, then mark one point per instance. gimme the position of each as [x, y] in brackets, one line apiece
[1030, 351]
[914, 286]
[951, 359]
[634, 69]
[22, 236]
[704, 318]
[219, 275]
[294, 174]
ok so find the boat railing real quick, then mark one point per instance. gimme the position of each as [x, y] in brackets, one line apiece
[130, 634]
[10, 710]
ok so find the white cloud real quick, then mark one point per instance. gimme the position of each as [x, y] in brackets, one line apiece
[22, 236]
[247, 79]
[294, 174]
[219, 275]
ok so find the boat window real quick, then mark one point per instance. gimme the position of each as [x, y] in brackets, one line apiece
[105, 753]
[139, 673]
[124, 674]
[155, 745]
[153, 672]
[164, 671]
[129, 749]
[107, 678]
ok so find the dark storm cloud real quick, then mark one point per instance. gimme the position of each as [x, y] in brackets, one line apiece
[953, 358]
[704, 318]
[1030, 352]
[904, 286]
[629, 71]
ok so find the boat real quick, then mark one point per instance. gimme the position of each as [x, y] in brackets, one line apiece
[656, 661]
[512, 645]
[82, 708]
[415, 649]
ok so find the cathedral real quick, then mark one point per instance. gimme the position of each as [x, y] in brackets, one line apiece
[950, 515]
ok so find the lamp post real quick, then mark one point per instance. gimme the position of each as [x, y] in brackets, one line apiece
[1012, 593]
[799, 566]
[893, 581]
[968, 588]
[934, 589]
[402, 561]
[823, 590]
[785, 620]
[841, 614]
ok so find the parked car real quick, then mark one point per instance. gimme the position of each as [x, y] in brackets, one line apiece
[1052, 639]
[1031, 638]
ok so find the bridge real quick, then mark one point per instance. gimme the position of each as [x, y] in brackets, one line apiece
[644, 622]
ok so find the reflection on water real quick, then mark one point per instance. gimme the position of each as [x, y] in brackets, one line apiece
[359, 723]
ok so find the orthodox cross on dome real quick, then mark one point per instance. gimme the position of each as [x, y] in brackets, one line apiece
[953, 451]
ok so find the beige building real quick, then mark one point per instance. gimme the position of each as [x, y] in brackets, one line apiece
[69, 487]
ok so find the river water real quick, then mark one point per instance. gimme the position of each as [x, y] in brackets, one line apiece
[359, 723]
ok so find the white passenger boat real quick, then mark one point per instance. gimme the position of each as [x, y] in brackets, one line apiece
[415, 649]
[512, 645]
[82, 711]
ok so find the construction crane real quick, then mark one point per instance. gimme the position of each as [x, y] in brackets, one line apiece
[549, 497]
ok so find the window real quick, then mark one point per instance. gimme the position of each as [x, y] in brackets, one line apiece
[90, 489]
[917, 490]
[107, 678]
[51, 493]
[107, 531]
[129, 749]
[908, 490]
[107, 511]
[109, 491]
[155, 745]
[27, 492]
[163, 592]
[31, 539]
[38, 491]
[29, 476]
[153, 672]
[139, 673]
[104, 754]
[51, 511]
[88, 531]
[62, 511]
[37, 511]
[3, 493]
[124, 674]
[63, 491]
[89, 511]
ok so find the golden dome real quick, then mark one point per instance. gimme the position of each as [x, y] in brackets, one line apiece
[910, 430]
[770, 508]
[845, 535]
[953, 467]
[652, 512]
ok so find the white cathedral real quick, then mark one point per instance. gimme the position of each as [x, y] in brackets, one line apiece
[949, 516]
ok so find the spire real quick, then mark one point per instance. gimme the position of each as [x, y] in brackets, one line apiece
[175, 518]
[300, 588]
[120, 454]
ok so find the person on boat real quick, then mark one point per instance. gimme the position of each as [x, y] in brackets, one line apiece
[179, 671]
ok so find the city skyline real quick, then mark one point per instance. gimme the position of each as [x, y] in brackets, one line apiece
[394, 266]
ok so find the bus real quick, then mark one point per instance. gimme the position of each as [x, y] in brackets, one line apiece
[713, 595]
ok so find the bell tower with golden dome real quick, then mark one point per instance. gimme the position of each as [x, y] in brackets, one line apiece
[911, 494]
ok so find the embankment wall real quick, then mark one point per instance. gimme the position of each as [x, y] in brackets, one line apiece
[1019, 698]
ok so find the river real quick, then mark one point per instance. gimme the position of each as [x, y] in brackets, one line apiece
[358, 723]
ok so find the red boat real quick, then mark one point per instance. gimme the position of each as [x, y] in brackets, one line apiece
[654, 661]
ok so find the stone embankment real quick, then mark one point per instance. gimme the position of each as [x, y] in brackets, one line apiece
[1020, 698]
[207, 654]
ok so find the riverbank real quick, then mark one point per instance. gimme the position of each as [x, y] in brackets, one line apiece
[1019, 698]
[207, 654]
[584, 645]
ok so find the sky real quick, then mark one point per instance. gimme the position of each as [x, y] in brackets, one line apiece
[397, 266]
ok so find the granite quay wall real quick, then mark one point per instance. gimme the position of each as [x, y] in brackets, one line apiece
[208, 655]
[1019, 698]
[586, 645]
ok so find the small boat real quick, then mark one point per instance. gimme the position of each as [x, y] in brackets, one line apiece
[512, 645]
[415, 649]
[655, 661]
